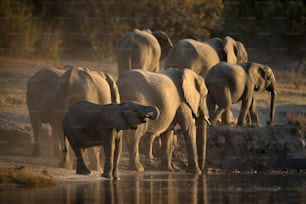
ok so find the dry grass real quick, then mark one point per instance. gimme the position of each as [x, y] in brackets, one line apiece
[297, 119]
[26, 177]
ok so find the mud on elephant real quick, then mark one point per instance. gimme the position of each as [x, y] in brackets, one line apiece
[180, 96]
[86, 125]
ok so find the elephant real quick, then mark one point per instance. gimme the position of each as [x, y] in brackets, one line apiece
[201, 56]
[39, 93]
[230, 83]
[142, 49]
[80, 84]
[87, 124]
[180, 95]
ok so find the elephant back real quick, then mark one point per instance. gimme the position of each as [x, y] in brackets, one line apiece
[80, 84]
[138, 50]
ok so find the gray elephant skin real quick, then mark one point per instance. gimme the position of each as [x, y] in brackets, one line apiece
[87, 124]
[201, 56]
[142, 49]
[180, 95]
[81, 84]
[39, 94]
[230, 83]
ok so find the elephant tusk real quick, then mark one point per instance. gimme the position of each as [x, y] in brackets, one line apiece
[207, 120]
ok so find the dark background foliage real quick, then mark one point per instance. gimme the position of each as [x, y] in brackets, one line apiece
[273, 31]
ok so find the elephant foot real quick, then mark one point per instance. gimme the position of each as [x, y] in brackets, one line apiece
[65, 165]
[110, 176]
[175, 168]
[194, 171]
[96, 167]
[137, 167]
[150, 157]
[116, 176]
[83, 171]
[167, 168]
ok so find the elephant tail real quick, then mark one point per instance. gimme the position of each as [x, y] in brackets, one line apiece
[113, 88]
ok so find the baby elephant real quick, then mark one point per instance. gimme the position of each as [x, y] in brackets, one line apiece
[86, 125]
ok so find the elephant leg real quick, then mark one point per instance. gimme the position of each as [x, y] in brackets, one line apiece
[133, 147]
[78, 151]
[226, 117]
[253, 113]
[80, 167]
[65, 160]
[216, 115]
[117, 153]
[224, 108]
[244, 110]
[211, 105]
[167, 139]
[94, 158]
[187, 123]
[149, 145]
[201, 128]
[109, 150]
[37, 128]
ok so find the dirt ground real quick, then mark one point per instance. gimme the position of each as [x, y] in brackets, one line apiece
[15, 129]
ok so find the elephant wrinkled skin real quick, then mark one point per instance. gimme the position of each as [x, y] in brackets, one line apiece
[201, 56]
[180, 95]
[230, 83]
[142, 49]
[86, 125]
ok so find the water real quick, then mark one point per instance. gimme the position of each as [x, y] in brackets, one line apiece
[168, 188]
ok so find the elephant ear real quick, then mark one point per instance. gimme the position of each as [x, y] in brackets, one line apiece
[192, 85]
[241, 53]
[229, 49]
[113, 88]
[256, 73]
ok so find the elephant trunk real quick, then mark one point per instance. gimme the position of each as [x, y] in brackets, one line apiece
[153, 113]
[272, 103]
[201, 137]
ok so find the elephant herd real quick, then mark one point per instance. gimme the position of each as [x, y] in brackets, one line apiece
[160, 84]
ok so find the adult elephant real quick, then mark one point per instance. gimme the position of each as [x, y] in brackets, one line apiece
[230, 83]
[39, 94]
[180, 95]
[79, 84]
[86, 125]
[201, 56]
[142, 49]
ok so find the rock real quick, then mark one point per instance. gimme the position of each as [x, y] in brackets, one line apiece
[255, 147]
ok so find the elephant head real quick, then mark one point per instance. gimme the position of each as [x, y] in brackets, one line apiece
[195, 93]
[234, 50]
[132, 114]
[262, 78]
[164, 42]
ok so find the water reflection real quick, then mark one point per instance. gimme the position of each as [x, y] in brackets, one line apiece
[168, 189]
